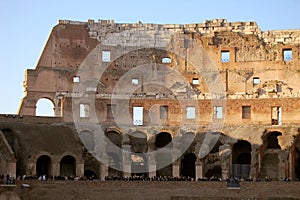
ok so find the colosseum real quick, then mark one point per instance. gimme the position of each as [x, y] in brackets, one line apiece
[213, 99]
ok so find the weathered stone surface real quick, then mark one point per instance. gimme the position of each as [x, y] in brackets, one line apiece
[204, 89]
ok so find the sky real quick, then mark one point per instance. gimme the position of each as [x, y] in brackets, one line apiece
[26, 25]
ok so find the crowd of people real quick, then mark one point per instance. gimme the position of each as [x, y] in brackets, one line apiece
[7, 180]
[11, 180]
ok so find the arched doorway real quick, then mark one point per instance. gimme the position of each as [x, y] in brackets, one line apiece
[215, 172]
[43, 166]
[164, 166]
[188, 167]
[44, 107]
[269, 166]
[139, 165]
[90, 174]
[68, 166]
[241, 159]
[212, 162]
[270, 160]
[115, 138]
[163, 139]
[115, 165]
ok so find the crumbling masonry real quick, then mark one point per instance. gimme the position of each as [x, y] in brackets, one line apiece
[227, 89]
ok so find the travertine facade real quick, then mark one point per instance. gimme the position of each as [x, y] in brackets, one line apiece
[149, 85]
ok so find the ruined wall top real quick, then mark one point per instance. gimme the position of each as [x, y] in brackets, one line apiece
[206, 28]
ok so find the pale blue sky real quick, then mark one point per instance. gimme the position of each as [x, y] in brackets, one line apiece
[26, 25]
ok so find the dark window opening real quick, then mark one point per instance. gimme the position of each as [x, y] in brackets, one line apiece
[163, 139]
[164, 112]
[272, 140]
[276, 115]
[246, 112]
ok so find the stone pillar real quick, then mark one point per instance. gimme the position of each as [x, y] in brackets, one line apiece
[283, 160]
[11, 169]
[199, 169]
[291, 165]
[225, 155]
[57, 111]
[254, 163]
[176, 168]
[103, 171]
[127, 168]
[151, 166]
[30, 169]
[57, 106]
[28, 106]
[80, 170]
[126, 160]
[55, 169]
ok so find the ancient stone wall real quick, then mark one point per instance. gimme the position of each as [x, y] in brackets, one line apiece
[239, 82]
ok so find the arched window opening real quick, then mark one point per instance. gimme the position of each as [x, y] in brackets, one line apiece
[163, 139]
[272, 140]
[138, 141]
[114, 138]
[44, 107]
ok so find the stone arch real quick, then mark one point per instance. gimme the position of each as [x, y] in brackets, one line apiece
[87, 139]
[114, 165]
[91, 164]
[215, 171]
[138, 142]
[44, 166]
[188, 165]
[164, 164]
[68, 166]
[114, 137]
[45, 107]
[271, 140]
[139, 165]
[90, 174]
[241, 159]
[163, 139]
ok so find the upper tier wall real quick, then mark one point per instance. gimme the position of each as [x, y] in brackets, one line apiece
[208, 27]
